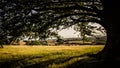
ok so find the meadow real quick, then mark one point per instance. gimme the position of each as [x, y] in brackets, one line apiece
[14, 56]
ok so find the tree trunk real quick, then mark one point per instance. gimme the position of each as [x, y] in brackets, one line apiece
[1, 45]
[111, 24]
[83, 39]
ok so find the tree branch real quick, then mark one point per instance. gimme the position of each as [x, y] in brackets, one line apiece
[46, 26]
[69, 8]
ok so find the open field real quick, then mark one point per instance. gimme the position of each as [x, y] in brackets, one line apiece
[47, 56]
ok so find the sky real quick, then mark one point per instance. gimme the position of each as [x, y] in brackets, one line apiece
[67, 33]
[70, 32]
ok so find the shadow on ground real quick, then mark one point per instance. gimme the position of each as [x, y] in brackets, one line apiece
[88, 62]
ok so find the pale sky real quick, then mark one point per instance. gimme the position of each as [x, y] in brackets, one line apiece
[70, 32]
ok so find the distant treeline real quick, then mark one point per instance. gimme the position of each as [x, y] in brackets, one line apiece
[101, 40]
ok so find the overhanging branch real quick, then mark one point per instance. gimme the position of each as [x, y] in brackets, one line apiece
[69, 8]
[46, 26]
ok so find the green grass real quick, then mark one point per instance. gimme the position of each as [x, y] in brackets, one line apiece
[45, 56]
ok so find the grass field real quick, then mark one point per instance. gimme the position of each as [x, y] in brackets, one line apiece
[47, 56]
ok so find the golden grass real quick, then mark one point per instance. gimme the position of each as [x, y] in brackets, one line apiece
[50, 56]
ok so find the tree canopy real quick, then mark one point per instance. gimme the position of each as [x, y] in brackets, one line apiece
[18, 17]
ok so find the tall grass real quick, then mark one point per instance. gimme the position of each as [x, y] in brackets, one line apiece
[44, 56]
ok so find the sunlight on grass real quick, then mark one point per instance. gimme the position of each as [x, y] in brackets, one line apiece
[45, 56]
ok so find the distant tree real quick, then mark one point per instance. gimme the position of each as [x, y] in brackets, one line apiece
[85, 29]
[3, 40]
[82, 28]
[59, 40]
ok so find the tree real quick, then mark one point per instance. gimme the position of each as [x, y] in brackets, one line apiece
[15, 15]
[82, 28]
[110, 18]
[87, 29]
[1, 41]
[105, 18]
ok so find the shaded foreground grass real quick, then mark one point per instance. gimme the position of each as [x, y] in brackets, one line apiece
[49, 56]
